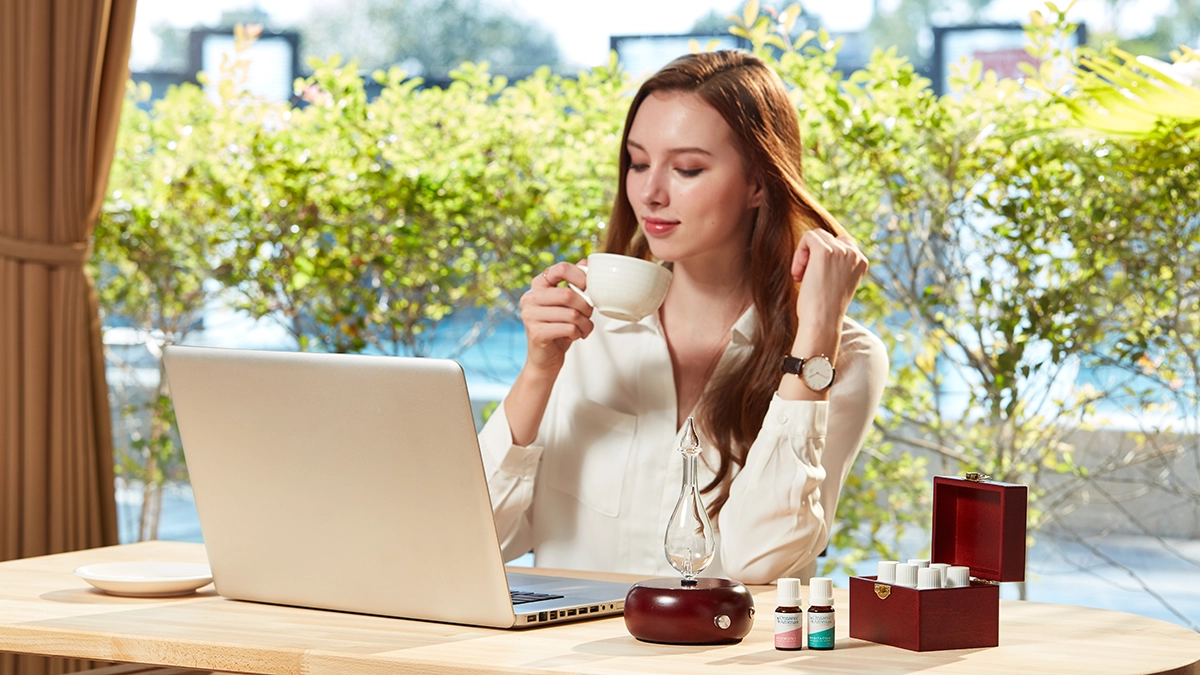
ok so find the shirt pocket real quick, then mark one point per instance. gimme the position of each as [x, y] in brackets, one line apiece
[590, 455]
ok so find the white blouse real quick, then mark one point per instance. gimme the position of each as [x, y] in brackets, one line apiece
[595, 489]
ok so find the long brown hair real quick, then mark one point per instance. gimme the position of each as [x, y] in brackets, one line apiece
[755, 105]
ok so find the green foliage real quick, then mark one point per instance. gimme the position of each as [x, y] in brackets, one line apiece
[366, 223]
[1131, 218]
[360, 225]
[154, 249]
[994, 258]
[884, 498]
[1009, 246]
[488, 409]
[1121, 96]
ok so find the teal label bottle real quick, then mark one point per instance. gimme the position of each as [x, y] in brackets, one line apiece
[821, 617]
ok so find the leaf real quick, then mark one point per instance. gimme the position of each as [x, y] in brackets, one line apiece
[750, 13]
[1132, 102]
[788, 18]
[776, 41]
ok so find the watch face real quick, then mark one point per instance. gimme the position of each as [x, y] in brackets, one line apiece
[817, 373]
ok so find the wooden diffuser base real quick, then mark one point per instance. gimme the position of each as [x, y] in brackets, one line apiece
[710, 612]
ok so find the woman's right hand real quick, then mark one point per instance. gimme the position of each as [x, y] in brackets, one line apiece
[554, 317]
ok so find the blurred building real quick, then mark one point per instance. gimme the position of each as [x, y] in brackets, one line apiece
[273, 63]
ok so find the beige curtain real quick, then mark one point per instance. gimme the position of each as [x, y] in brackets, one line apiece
[63, 67]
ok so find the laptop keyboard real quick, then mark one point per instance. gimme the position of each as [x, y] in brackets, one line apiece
[524, 597]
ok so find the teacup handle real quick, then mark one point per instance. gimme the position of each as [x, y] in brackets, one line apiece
[581, 292]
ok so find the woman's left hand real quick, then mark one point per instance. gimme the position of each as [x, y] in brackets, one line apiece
[829, 270]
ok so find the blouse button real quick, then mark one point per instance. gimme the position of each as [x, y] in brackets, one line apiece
[782, 418]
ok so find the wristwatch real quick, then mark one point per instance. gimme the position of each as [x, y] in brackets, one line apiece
[816, 372]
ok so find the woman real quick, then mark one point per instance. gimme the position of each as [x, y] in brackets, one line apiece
[581, 455]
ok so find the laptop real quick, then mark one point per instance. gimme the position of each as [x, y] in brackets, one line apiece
[353, 483]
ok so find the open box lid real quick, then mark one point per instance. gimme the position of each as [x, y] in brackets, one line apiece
[980, 524]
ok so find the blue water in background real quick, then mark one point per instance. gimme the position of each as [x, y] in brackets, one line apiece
[490, 363]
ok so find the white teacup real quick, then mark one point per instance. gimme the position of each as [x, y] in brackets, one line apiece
[625, 288]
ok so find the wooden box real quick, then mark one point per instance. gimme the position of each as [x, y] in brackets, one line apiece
[976, 523]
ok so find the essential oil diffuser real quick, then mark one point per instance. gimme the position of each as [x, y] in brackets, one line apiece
[691, 610]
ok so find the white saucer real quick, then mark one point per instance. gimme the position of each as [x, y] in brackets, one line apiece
[146, 579]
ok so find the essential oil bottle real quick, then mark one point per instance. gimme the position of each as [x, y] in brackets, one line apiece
[820, 614]
[789, 616]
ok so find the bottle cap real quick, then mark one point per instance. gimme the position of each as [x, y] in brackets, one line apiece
[788, 593]
[906, 575]
[945, 570]
[821, 589]
[929, 578]
[917, 562]
[960, 577]
[887, 572]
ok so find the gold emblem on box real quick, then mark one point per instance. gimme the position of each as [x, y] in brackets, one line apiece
[883, 591]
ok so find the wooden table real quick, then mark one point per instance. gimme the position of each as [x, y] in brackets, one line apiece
[44, 609]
